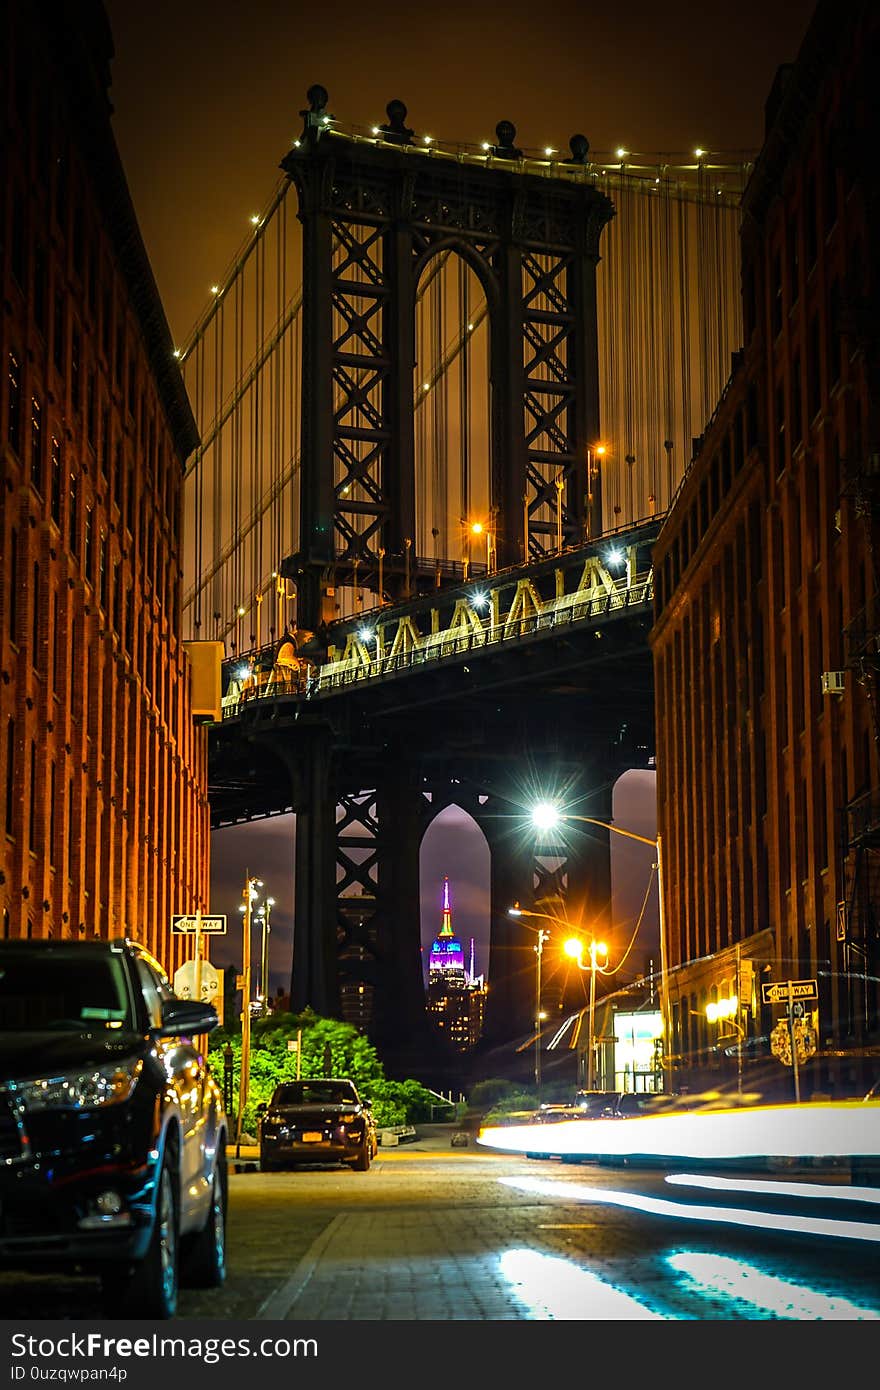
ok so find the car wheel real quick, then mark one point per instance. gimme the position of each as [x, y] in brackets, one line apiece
[362, 1163]
[204, 1262]
[148, 1289]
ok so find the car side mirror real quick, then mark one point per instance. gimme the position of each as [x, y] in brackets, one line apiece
[186, 1018]
[262, 1108]
[367, 1104]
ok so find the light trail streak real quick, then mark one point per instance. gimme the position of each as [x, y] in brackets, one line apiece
[720, 1274]
[556, 1288]
[762, 1187]
[682, 1211]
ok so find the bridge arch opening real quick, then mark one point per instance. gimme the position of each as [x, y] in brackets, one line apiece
[454, 848]
[634, 807]
[455, 520]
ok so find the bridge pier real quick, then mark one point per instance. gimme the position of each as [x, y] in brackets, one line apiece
[400, 1016]
[314, 981]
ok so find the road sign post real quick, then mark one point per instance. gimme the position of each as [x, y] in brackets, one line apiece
[791, 993]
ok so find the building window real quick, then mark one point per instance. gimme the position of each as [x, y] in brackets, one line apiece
[793, 260]
[56, 644]
[835, 356]
[35, 618]
[814, 370]
[55, 481]
[36, 444]
[75, 370]
[13, 426]
[16, 247]
[13, 583]
[91, 407]
[780, 428]
[796, 402]
[40, 288]
[58, 332]
[102, 571]
[777, 294]
[812, 222]
[52, 815]
[88, 552]
[10, 775]
[105, 442]
[32, 815]
[73, 518]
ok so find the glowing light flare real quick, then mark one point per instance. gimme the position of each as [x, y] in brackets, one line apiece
[545, 816]
[682, 1211]
[476, 528]
[836, 1128]
[746, 1283]
[621, 153]
[722, 1008]
[573, 948]
[616, 556]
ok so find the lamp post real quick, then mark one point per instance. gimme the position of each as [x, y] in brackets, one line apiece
[263, 915]
[574, 948]
[725, 1011]
[248, 895]
[546, 816]
[542, 935]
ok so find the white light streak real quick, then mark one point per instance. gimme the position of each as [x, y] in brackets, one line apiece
[839, 1192]
[683, 1211]
[720, 1274]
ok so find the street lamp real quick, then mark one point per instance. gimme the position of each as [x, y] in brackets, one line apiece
[546, 816]
[543, 935]
[249, 894]
[726, 1011]
[478, 529]
[263, 916]
[575, 948]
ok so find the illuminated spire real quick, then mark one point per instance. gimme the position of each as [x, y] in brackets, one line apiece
[446, 926]
[472, 969]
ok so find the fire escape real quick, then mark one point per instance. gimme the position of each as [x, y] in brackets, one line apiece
[860, 928]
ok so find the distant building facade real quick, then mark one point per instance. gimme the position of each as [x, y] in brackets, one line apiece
[765, 641]
[456, 994]
[104, 772]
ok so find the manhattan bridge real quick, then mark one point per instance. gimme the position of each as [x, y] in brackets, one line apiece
[445, 394]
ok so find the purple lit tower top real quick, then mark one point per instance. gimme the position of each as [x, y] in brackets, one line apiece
[447, 955]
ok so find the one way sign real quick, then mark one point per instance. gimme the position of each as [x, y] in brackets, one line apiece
[785, 991]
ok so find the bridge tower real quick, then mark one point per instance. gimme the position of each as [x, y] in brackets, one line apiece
[374, 214]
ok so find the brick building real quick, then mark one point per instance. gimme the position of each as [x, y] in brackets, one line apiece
[765, 637]
[104, 773]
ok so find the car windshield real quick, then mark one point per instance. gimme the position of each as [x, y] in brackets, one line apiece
[65, 988]
[314, 1093]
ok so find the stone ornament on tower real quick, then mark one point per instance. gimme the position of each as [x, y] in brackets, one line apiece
[396, 131]
[315, 117]
[505, 133]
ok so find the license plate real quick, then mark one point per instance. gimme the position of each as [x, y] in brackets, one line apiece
[312, 1136]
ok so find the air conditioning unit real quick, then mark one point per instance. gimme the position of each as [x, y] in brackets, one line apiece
[833, 682]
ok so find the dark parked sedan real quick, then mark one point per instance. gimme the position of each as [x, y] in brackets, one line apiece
[321, 1120]
[112, 1131]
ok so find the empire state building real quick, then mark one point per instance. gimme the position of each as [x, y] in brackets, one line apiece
[456, 994]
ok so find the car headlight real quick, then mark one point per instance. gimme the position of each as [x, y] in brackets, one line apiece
[82, 1090]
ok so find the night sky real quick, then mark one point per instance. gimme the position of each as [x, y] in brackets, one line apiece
[206, 99]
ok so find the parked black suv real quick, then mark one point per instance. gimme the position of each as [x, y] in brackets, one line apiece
[112, 1130]
[320, 1120]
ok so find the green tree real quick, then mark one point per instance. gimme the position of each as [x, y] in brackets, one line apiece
[349, 1053]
